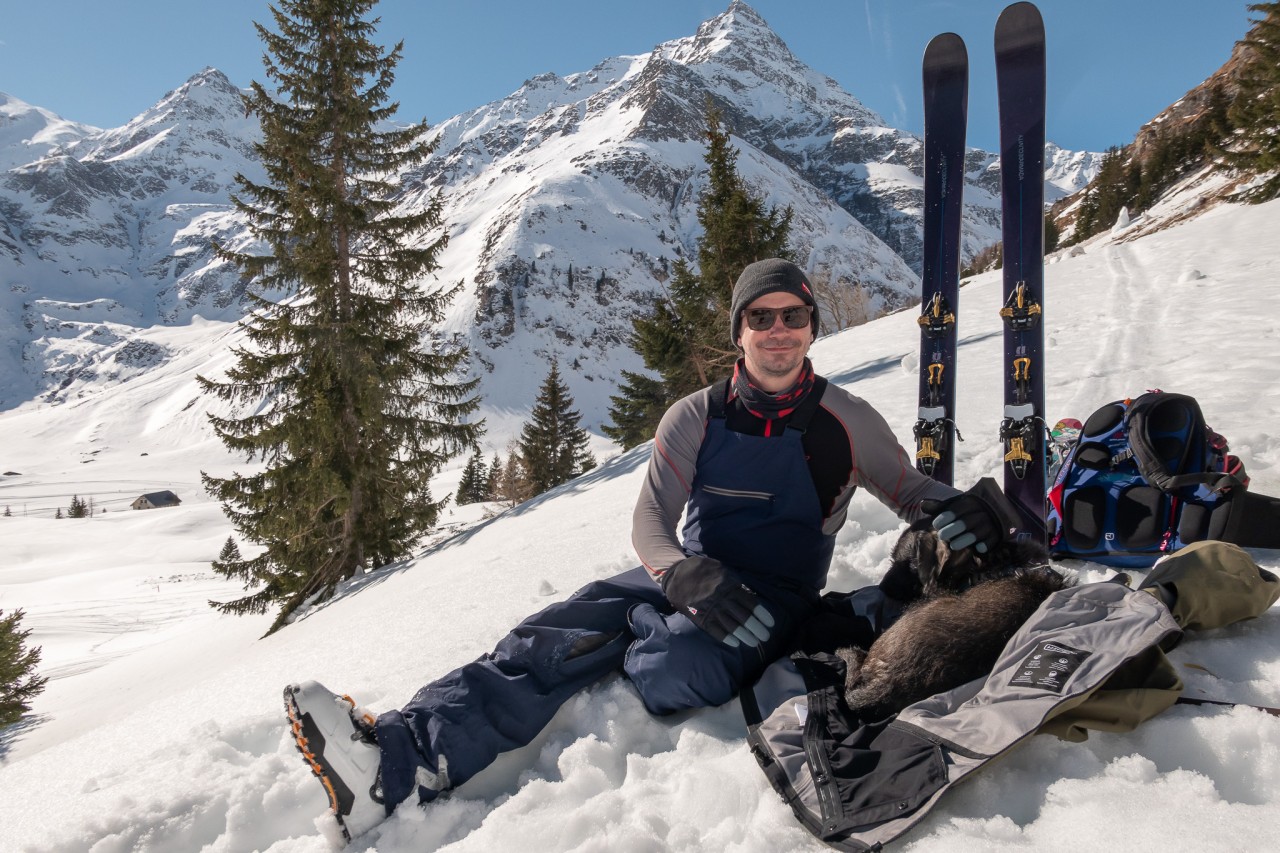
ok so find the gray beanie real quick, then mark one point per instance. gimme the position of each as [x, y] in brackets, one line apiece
[768, 276]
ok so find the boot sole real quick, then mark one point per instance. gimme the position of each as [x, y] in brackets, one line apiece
[310, 742]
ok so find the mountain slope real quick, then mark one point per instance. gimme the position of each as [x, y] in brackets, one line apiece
[170, 736]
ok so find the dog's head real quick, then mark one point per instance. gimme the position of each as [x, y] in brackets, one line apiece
[922, 564]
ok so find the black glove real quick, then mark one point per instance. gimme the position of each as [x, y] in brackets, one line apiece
[981, 517]
[717, 601]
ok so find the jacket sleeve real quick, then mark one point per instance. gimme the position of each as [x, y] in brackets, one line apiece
[668, 483]
[880, 464]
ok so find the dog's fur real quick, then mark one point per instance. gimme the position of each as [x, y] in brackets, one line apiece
[970, 605]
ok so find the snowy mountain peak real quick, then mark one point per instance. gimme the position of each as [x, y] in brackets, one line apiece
[739, 28]
[742, 57]
[1068, 171]
[29, 133]
[206, 101]
[208, 90]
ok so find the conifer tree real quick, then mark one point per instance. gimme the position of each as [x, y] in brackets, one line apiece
[685, 340]
[228, 558]
[1215, 124]
[8, 512]
[495, 472]
[351, 407]
[1256, 108]
[19, 683]
[461, 495]
[58, 514]
[1104, 197]
[78, 508]
[473, 487]
[553, 444]
[637, 408]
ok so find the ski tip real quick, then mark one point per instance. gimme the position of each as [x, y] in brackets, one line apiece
[1020, 22]
[946, 49]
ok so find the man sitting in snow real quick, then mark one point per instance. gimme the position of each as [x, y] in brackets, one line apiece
[764, 467]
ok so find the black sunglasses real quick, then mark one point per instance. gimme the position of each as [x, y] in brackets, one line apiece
[793, 317]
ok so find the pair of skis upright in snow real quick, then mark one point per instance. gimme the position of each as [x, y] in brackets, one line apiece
[1020, 75]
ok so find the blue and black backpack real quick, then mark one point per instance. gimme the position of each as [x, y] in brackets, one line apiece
[1146, 477]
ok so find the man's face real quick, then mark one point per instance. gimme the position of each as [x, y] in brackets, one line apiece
[774, 356]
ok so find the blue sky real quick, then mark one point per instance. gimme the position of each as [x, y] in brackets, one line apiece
[1113, 64]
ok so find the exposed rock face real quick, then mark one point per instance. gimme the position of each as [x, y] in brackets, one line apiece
[1190, 108]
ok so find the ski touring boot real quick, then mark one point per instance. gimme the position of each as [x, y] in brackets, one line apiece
[336, 738]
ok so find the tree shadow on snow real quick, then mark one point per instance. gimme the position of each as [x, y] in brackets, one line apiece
[618, 466]
[881, 366]
[10, 735]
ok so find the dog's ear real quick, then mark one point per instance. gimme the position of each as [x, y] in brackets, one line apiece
[936, 560]
[942, 554]
[911, 564]
[929, 557]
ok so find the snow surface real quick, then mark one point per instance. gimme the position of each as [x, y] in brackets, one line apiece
[162, 727]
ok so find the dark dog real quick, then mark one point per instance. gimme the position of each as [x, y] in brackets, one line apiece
[968, 607]
[923, 565]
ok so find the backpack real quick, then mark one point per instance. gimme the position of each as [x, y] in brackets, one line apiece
[1147, 476]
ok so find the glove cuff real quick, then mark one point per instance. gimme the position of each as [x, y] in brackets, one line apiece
[1003, 513]
[691, 579]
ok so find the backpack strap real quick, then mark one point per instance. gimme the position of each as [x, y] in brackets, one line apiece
[1254, 521]
[1153, 468]
[718, 396]
[800, 418]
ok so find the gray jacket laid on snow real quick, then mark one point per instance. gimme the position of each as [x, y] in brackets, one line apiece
[1091, 657]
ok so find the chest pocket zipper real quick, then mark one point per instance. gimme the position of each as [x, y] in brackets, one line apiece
[738, 493]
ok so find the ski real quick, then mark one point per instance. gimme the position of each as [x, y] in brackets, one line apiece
[1020, 83]
[946, 95]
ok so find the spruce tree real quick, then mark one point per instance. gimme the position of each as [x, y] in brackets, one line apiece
[553, 444]
[78, 508]
[1215, 123]
[495, 473]
[1255, 112]
[19, 683]
[1105, 196]
[349, 412]
[227, 557]
[461, 495]
[685, 339]
[637, 409]
[473, 487]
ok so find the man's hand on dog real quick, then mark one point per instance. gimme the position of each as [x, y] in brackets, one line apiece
[717, 601]
[981, 518]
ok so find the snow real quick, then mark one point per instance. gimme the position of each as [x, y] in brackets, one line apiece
[29, 133]
[162, 727]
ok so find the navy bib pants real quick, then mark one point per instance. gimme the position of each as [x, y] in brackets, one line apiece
[752, 505]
